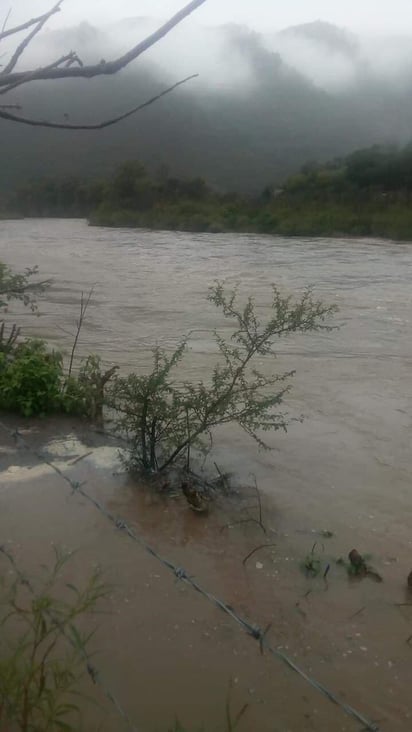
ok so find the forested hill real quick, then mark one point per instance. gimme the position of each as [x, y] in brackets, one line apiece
[256, 114]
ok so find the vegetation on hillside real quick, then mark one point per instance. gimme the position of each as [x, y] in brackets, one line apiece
[365, 194]
[259, 109]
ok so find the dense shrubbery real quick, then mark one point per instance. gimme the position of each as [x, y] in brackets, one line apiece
[84, 393]
[366, 194]
[31, 379]
[33, 382]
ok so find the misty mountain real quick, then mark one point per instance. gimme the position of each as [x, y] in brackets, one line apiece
[255, 115]
[333, 39]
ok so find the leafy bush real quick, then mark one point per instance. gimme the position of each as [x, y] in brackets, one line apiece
[166, 419]
[30, 375]
[30, 379]
[18, 286]
[84, 395]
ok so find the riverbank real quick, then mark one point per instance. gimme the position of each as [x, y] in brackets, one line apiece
[282, 219]
[366, 194]
[390, 222]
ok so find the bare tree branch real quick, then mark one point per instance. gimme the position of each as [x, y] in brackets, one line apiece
[99, 125]
[104, 68]
[68, 59]
[84, 304]
[12, 31]
[23, 45]
[6, 19]
[64, 67]
[10, 106]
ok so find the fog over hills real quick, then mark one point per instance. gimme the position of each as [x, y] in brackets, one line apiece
[264, 104]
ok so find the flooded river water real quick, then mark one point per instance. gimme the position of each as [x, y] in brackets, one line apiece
[346, 469]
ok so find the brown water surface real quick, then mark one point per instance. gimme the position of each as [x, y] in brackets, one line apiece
[347, 469]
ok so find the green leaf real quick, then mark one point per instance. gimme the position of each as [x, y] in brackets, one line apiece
[63, 725]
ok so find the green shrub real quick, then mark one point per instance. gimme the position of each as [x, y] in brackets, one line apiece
[18, 286]
[30, 379]
[84, 395]
[167, 419]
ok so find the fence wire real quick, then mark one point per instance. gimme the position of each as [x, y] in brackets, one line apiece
[253, 630]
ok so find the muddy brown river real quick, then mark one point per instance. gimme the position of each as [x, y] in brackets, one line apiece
[347, 470]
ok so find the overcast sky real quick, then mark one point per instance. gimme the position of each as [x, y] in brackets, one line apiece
[366, 15]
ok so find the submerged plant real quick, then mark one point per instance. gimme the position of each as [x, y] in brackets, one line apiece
[84, 394]
[314, 565]
[43, 650]
[166, 419]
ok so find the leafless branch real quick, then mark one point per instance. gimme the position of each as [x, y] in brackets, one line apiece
[34, 21]
[23, 45]
[104, 68]
[8, 341]
[6, 21]
[231, 724]
[256, 549]
[188, 442]
[260, 521]
[251, 519]
[10, 106]
[68, 59]
[84, 304]
[99, 125]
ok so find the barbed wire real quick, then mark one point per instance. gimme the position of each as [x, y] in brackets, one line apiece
[251, 629]
[93, 672]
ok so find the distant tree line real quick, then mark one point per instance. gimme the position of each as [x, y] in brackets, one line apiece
[367, 193]
[374, 170]
[131, 196]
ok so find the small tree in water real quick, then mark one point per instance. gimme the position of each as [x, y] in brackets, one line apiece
[166, 419]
